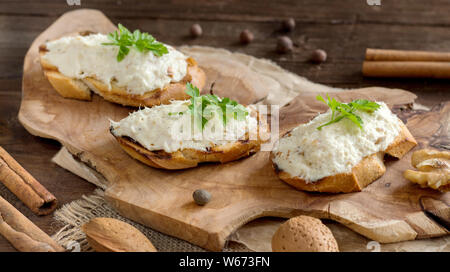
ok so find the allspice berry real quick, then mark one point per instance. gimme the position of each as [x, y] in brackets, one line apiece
[319, 56]
[201, 197]
[288, 24]
[246, 37]
[284, 45]
[196, 30]
[304, 234]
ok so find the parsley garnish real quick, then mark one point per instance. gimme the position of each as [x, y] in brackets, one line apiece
[205, 106]
[141, 41]
[340, 110]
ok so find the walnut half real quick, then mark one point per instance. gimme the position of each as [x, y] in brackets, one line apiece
[433, 169]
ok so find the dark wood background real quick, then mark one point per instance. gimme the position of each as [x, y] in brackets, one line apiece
[344, 28]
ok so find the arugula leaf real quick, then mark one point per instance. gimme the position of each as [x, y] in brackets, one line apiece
[344, 110]
[141, 41]
[205, 106]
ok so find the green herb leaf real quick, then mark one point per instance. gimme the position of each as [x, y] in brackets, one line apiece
[335, 120]
[340, 110]
[365, 105]
[176, 113]
[191, 90]
[206, 106]
[141, 41]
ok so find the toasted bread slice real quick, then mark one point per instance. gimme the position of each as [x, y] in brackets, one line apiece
[188, 158]
[365, 172]
[81, 88]
[67, 87]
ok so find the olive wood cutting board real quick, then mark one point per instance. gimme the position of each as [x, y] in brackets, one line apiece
[391, 209]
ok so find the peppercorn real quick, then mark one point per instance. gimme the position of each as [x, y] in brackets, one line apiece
[288, 24]
[284, 44]
[246, 37]
[201, 197]
[319, 56]
[196, 30]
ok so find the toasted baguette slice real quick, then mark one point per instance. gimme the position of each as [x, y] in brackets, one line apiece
[365, 172]
[81, 88]
[188, 158]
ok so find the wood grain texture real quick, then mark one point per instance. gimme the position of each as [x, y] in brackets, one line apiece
[235, 10]
[388, 210]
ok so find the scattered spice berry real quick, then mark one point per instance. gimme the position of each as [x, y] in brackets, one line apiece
[246, 37]
[319, 56]
[288, 24]
[201, 197]
[284, 45]
[196, 30]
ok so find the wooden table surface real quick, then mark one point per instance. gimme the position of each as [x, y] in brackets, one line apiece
[343, 28]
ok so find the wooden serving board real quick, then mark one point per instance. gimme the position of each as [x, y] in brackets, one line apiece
[389, 210]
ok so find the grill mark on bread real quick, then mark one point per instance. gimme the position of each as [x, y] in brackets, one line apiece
[244, 141]
[43, 48]
[86, 33]
[160, 154]
[276, 168]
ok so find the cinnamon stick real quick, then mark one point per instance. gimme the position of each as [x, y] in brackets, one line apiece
[406, 55]
[25, 186]
[406, 69]
[22, 233]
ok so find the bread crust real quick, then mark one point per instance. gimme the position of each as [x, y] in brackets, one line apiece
[81, 88]
[188, 158]
[365, 172]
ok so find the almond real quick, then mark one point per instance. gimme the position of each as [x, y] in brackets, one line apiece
[304, 234]
[112, 235]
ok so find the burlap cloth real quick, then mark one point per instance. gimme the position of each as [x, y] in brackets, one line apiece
[256, 235]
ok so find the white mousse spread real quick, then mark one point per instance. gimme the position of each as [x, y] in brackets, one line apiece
[164, 128]
[85, 56]
[312, 154]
